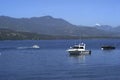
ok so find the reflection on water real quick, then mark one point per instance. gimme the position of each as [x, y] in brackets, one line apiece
[78, 58]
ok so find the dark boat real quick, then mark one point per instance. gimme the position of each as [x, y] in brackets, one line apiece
[107, 47]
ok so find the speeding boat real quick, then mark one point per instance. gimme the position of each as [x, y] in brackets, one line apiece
[35, 46]
[78, 49]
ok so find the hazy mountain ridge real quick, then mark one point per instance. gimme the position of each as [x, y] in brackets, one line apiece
[45, 25]
[112, 30]
[117, 29]
[51, 26]
[7, 34]
[104, 27]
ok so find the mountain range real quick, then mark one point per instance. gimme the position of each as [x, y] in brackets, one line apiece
[47, 25]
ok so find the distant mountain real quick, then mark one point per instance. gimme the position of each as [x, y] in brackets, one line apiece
[109, 28]
[6, 34]
[44, 25]
[104, 27]
[117, 29]
[51, 26]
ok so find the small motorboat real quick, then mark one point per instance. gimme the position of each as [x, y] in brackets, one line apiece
[78, 50]
[107, 47]
[35, 46]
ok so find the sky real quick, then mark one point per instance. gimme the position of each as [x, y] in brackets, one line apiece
[78, 12]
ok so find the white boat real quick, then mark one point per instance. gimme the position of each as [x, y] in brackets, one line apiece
[35, 46]
[78, 49]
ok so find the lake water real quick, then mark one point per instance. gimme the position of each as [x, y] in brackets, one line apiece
[18, 61]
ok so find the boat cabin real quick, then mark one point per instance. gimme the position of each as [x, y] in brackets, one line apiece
[79, 46]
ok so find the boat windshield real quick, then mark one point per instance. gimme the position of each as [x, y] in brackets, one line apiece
[78, 47]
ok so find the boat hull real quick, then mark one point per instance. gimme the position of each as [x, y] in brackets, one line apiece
[107, 47]
[79, 52]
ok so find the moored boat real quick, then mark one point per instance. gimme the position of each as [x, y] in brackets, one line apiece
[107, 47]
[78, 49]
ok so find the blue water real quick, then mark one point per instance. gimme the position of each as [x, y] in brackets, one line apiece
[52, 62]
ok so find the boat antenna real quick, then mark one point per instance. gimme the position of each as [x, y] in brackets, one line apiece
[81, 39]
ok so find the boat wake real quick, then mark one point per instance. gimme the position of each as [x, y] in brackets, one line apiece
[31, 47]
[20, 48]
